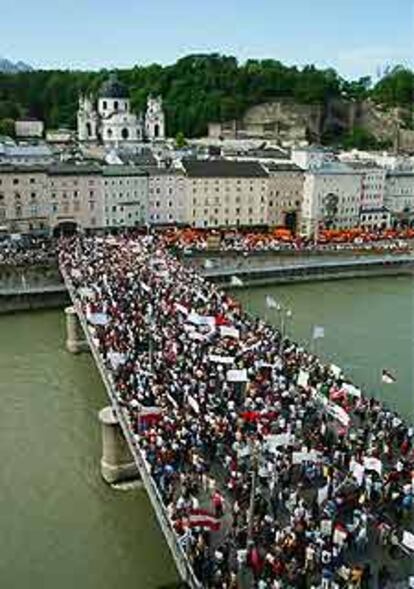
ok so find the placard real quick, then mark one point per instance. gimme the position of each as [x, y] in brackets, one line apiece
[237, 375]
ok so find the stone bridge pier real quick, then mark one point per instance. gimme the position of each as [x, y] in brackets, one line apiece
[75, 339]
[117, 464]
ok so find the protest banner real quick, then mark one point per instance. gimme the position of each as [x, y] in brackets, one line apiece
[351, 390]
[226, 331]
[299, 457]
[221, 359]
[303, 378]
[371, 463]
[276, 440]
[237, 375]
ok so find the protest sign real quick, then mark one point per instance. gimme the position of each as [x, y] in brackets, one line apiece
[226, 331]
[237, 375]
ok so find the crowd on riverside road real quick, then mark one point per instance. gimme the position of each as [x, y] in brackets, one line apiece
[283, 241]
[276, 471]
[28, 251]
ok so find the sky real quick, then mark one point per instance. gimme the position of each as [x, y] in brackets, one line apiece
[357, 37]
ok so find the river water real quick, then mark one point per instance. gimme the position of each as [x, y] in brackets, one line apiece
[61, 525]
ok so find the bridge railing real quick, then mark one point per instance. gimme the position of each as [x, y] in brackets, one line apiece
[178, 553]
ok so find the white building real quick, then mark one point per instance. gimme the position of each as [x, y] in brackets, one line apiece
[311, 157]
[399, 196]
[29, 128]
[111, 120]
[222, 193]
[126, 196]
[166, 196]
[331, 198]
[154, 119]
[22, 155]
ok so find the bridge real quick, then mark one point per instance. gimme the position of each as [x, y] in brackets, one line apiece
[116, 429]
[162, 308]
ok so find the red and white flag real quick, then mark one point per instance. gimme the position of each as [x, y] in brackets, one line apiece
[202, 518]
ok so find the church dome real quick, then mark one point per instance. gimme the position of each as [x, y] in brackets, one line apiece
[112, 88]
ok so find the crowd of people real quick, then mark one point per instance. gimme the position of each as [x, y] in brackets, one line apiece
[28, 251]
[189, 241]
[275, 470]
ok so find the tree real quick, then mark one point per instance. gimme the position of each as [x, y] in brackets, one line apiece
[180, 141]
[7, 127]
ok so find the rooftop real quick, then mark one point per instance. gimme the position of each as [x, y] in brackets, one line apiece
[223, 169]
[112, 88]
[120, 170]
[282, 167]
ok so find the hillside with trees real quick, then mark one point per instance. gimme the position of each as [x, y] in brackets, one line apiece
[196, 89]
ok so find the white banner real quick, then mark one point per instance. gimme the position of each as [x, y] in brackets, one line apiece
[351, 390]
[181, 308]
[226, 331]
[372, 463]
[221, 359]
[276, 440]
[116, 359]
[199, 320]
[98, 318]
[335, 370]
[358, 471]
[303, 378]
[408, 540]
[299, 457]
[237, 375]
[193, 404]
[322, 494]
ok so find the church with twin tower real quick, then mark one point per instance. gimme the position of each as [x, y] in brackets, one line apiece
[109, 118]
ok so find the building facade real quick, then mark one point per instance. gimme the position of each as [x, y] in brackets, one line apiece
[76, 197]
[399, 197]
[29, 128]
[221, 193]
[111, 120]
[166, 196]
[24, 202]
[125, 190]
[331, 198]
[285, 195]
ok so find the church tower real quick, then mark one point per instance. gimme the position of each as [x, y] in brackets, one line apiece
[154, 119]
[87, 119]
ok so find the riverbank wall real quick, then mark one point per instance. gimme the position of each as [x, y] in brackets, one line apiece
[31, 300]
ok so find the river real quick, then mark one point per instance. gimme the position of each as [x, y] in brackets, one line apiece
[369, 326]
[62, 526]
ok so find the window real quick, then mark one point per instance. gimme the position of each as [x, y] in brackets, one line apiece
[15, 181]
[104, 105]
[32, 180]
[116, 105]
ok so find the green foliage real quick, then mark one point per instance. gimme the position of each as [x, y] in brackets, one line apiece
[396, 88]
[7, 127]
[180, 141]
[196, 89]
[360, 138]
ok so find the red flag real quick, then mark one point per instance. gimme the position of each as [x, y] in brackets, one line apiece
[201, 518]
